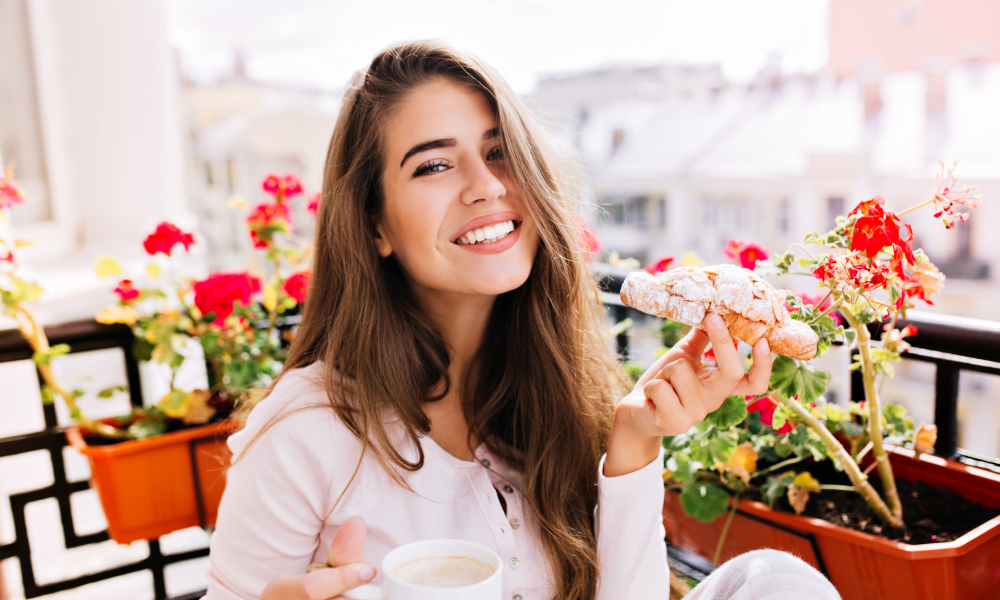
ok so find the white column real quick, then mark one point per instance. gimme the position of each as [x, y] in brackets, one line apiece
[108, 99]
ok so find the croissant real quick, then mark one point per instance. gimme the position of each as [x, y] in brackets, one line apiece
[750, 306]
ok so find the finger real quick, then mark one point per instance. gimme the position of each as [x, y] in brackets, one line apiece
[669, 416]
[689, 389]
[722, 344]
[327, 583]
[758, 379]
[348, 545]
[694, 343]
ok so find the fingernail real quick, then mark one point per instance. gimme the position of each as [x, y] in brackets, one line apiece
[767, 346]
[717, 321]
[367, 573]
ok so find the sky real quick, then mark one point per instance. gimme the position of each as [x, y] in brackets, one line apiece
[319, 43]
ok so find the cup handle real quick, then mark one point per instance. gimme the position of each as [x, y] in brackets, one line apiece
[368, 591]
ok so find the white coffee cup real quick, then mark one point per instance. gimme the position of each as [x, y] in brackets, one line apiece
[394, 588]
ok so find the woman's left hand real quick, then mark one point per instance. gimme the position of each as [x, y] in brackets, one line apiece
[677, 392]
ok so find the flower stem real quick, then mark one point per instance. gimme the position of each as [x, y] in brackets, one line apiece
[875, 415]
[775, 467]
[832, 308]
[39, 342]
[850, 467]
[725, 530]
[915, 207]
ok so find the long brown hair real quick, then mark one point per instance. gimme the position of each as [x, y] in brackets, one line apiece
[544, 386]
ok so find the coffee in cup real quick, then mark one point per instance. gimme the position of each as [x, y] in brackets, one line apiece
[443, 571]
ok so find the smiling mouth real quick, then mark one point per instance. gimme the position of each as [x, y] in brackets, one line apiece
[489, 234]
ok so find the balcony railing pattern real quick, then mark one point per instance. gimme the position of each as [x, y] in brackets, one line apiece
[952, 344]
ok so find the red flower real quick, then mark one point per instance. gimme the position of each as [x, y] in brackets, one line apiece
[297, 285]
[946, 196]
[313, 206]
[709, 355]
[745, 252]
[125, 291]
[267, 219]
[588, 240]
[218, 293]
[9, 257]
[282, 187]
[659, 266]
[877, 228]
[9, 194]
[165, 238]
[765, 407]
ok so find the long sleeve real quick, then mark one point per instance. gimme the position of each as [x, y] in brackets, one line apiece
[630, 548]
[274, 505]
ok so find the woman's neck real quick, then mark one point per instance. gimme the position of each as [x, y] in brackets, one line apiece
[461, 320]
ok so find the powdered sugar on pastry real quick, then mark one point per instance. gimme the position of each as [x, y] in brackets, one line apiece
[751, 307]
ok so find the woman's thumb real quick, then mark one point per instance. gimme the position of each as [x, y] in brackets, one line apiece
[348, 545]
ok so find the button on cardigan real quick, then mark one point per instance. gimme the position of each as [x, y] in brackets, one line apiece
[280, 508]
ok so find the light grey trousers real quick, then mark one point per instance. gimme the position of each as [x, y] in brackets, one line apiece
[764, 575]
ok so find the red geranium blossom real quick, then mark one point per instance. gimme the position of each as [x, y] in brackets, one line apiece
[9, 194]
[765, 407]
[297, 285]
[267, 219]
[661, 265]
[589, 242]
[166, 236]
[877, 228]
[946, 196]
[313, 206]
[218, 293]
[125, 291]
[282, 187]
[745, 252]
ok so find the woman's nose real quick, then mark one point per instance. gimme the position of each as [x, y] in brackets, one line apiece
[482, 183]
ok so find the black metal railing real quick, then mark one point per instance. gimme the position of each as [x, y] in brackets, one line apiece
[952, 344]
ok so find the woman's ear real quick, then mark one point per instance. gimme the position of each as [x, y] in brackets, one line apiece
[382, 244]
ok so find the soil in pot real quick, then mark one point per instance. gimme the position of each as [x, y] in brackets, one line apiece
[932, 514]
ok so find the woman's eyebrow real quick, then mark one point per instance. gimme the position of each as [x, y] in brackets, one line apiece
[444, 143]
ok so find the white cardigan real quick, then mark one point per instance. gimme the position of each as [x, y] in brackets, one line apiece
[276, 517]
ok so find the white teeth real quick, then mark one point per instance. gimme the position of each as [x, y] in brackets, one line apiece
[488, 234]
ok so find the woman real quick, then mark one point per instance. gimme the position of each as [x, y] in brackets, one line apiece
[449, 378]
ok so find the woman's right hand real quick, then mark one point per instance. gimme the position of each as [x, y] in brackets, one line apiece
[346, 572]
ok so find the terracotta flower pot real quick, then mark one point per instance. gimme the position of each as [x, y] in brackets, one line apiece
[153, 486]
[863, 566]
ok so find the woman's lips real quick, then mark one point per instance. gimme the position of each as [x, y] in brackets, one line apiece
[497, 246]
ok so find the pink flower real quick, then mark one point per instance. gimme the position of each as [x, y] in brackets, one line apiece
[745, 252]
[267, 219]
[9, 194]
[166, 236]
[282, 187]
[313, 206]
[219, 292]
[125, 291]
[661, 265]
[589, 242]
[946, 196]
[297, 285]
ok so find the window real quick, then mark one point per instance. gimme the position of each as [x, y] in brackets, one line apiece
[834, 209]
[631, 211]
[783, 216]
[21, 144]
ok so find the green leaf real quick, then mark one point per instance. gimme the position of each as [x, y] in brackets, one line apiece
[77, 392]
[44, 357]
[110, 391]
[47, 396]
[682, 468]
[142, 349]
[147, 428]
[732, 412]
[790, 377]
[799, 436]
[775, 487]
[75, 414]
[704, 501]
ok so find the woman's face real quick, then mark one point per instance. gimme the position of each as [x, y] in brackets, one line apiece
[453, 219]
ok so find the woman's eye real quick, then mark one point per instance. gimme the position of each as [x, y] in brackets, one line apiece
[495, 154]
[431, 166]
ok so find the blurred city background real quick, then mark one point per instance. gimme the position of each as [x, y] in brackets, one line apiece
[691, 123]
